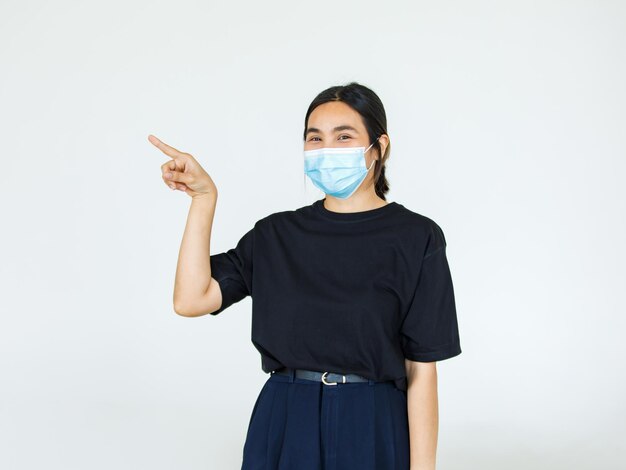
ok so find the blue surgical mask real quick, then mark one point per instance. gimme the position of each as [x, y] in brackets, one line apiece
[337, 171]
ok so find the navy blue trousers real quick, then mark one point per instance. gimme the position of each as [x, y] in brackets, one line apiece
[299, 424]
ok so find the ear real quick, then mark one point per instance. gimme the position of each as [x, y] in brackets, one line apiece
[383, 140]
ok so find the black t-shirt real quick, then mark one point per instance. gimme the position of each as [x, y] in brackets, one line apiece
[353, 292]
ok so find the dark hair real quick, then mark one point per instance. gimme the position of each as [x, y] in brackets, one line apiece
[370, 107]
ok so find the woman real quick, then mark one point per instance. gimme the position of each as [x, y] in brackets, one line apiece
[353, 301]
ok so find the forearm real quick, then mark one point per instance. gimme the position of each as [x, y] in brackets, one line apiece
[193, 272]
[422, 403]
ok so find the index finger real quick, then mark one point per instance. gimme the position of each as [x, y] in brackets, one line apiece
[166, 149]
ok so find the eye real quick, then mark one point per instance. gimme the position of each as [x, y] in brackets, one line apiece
[312, 139]
[344, 135]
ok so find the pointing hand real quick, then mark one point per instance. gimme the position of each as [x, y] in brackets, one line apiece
[183, 172]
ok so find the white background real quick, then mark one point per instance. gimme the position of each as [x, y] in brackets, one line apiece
[507, 123]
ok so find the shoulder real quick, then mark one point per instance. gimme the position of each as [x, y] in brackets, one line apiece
[279, 217]
[424, 228]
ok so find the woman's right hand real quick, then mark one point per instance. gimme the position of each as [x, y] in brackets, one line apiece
[184, 172]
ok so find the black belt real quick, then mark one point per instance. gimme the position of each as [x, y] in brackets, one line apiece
[328, 378]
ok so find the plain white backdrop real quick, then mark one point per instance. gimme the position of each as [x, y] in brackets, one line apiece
[507, 125]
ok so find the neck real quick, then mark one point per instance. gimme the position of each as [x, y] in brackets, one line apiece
[356, 203]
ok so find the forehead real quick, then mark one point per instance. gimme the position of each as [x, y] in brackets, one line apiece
[329, 115]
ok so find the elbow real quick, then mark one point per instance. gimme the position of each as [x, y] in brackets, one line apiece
[179, 310]
[187, 309]
[182, 309]
[192, 305]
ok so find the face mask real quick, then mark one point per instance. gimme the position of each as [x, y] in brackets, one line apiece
[337, 171]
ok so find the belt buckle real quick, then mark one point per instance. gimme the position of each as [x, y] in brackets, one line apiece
[331, 383]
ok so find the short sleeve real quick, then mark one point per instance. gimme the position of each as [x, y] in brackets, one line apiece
[232, 269]
[429, 331]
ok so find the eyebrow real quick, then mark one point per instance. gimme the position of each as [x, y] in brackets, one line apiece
[344, 127]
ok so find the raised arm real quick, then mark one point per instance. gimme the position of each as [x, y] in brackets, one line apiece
[195, 291]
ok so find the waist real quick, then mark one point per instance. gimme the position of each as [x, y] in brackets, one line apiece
[326, 377]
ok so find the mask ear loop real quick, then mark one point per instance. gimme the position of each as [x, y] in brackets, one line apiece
[373, 161]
